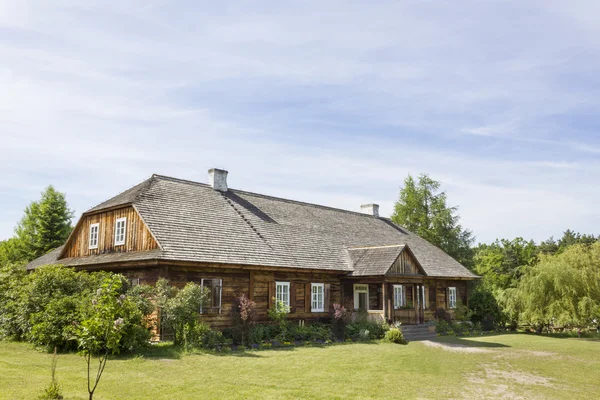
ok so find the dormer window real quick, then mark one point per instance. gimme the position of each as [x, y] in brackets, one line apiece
[120, 230]
[93, 243]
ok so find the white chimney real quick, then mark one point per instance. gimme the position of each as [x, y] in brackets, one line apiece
[217, 178]
[371, 209]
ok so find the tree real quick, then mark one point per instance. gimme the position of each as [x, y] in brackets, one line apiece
[422, 209]
[562, 289]
[10, 251]
[504, 262]
[103, 328]
[45, 225]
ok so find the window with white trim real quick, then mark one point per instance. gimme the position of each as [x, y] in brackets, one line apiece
[317, 297]
[452, 297]
[120, 230]
[399, 296]
[94, 229]
[424, 297]
[215, 294]
[282, 293]
[361, 297]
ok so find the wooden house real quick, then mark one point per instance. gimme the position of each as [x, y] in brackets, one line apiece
[233, 242]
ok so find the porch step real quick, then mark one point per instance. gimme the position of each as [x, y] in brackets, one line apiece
[413, 333]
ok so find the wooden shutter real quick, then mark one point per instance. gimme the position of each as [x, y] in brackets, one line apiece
[271, 294]
[307, 297]
[292, 297]
[326, 296]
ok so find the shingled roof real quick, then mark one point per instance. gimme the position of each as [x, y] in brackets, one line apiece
[193, 222]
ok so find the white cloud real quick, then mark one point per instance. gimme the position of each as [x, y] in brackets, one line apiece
[332, 103]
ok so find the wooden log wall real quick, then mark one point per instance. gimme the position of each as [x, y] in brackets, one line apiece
[138, 236]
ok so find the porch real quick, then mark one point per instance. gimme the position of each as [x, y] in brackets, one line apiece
[409, 300]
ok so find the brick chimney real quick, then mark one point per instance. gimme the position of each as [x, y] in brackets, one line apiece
[217, 178]
[371, 209]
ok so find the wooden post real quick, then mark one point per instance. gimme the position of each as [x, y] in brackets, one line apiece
[251, 286]
[383, 300]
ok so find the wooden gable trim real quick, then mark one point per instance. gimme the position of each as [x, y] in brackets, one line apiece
[412, 255]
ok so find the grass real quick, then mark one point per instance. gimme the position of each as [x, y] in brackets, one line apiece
[506, 365]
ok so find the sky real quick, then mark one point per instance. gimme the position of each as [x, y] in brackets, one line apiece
[328, 102]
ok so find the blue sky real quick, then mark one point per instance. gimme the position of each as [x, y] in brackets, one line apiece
[326, 102]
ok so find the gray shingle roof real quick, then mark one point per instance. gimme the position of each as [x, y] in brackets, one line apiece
[193, 222]
[374, 260]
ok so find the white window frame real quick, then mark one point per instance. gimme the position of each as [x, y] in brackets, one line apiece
[452, 297]
[220, 286]
[399, 296]
[93, 244]
[277, 297]
[424, 296]
[120, 239]
[134, 281]
[314, 297]
[360, 288]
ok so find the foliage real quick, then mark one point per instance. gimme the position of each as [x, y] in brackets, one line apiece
[10, 252]
[51, 301]
[12, 277]
[243, 319]
[278, 314]
[43, 307]
[442, 315]
[422, 209]
[365, 330]
[504, 262]
[45, 225]
[484, 306]
[312, 332]
[339, 319]
[443, 327]
[569, 238]
[562, 290]
[395, 335]
[462, 313]
[100, 332]
[180, 310]
[53, 391]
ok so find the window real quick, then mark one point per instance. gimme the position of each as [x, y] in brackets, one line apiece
[399, 296]
[282, 292]
[318, 297]
[361, 297]
[94, 236]
[134, 282]
[452, 297]
[213, 304]
[120, 228]
[424, 295]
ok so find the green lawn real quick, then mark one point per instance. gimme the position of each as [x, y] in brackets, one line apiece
[500, 366]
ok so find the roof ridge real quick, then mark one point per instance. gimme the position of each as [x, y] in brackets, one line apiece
[385, 246]
[171, 178]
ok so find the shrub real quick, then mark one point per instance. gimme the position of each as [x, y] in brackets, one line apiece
[442, 315]
[366, 330]
[180, 309]
[339, 320]
[243, 319]
[278, 314]
[442, 327]
[395, 336]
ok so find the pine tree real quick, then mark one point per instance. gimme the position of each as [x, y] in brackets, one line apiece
[422, 209]
[45, 225]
